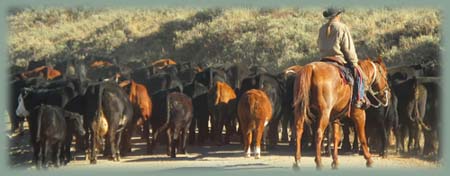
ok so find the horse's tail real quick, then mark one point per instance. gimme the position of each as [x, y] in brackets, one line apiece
[302, 87]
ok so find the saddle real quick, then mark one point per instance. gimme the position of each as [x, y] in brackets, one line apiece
[344, 71]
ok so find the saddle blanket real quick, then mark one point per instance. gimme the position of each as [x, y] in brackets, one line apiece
[344, 72]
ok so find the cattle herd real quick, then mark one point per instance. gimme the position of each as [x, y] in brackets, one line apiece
[97, 105]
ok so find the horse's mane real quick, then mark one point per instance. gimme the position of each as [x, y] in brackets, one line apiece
[365, 65]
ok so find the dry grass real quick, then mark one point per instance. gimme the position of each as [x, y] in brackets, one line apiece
[275, 38]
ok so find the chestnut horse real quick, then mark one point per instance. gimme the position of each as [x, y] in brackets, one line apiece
[320, 93]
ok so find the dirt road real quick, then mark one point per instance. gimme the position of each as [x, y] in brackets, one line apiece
[229, 157]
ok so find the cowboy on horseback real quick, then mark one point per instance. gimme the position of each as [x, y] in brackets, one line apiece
[336, 41]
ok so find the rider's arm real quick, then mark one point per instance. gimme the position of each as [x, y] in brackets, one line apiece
[347, 46]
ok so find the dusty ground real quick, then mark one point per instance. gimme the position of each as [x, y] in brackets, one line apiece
[229, 157]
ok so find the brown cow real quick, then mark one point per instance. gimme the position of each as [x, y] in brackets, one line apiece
[222, 107]
[142, 105]
[100, 64]
[254, 112]
[140, 99]
[45, 71]
[292, 70]
[161, 63]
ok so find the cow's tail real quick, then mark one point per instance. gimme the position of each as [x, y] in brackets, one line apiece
[424, 126]
[217, 94]
[416, 112]
[100, 100]
[168, 108]
[122, 123]
[211, 78]
[99, 113]
[302, 87]
[254, 104]
[39, 121]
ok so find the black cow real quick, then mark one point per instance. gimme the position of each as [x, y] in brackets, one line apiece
[274, 88]
[15, 89]
[288, 99]
[136, 64]
[72, 68]
[186, 73]
[30, 98]
[172, 113]
[199, 95]
[105, 72]
[36, 63]
[164, 79]
[411, 100]
[433, 120]
[256, 70]
[111, 102]
[381, 121]
[52, 128]
[235, 74]
[102, 101]
[211, 75]
[142, 74]
[411, 108]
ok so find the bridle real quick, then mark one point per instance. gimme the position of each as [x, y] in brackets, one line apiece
[386, 90]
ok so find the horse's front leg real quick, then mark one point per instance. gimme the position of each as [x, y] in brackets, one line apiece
[359, 117]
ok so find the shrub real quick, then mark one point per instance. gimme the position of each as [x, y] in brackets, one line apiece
[275, 38]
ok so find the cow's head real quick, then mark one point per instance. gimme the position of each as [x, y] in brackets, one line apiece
[21, 110]
[77, 121]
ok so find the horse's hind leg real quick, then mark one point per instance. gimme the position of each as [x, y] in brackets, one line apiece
[359, 117]
[323, 123]
[337, 132]
[299, 131]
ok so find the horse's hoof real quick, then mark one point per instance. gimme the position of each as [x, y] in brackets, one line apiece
[295, 166]
[369, 163]
[334, 165]
[319, 167]
[247, 155]
[297, 161]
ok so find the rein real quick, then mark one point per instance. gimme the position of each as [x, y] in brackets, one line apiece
[374, 93]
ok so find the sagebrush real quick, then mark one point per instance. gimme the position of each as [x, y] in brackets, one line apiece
[275, 38]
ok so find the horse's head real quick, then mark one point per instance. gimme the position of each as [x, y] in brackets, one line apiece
[378, 85]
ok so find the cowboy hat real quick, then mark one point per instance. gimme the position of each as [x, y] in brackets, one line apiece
[332, 12]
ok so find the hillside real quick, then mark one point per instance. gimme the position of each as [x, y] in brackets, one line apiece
[275, 38]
